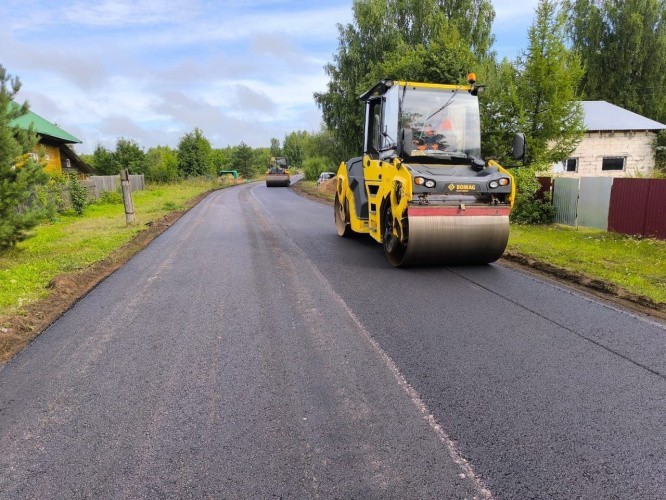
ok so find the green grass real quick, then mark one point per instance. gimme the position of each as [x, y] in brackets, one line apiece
[637, 265]
[71, 243]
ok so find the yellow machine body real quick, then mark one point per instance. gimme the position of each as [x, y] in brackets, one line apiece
[426, 203]
[278, 174]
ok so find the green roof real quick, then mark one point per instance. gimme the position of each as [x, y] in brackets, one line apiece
[42, 127]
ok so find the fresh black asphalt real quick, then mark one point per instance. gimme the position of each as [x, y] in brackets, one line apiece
[249, 352]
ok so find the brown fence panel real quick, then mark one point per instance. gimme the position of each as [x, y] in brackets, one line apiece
[655, 216]
[628, 206]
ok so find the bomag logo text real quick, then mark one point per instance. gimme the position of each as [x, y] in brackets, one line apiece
[462, 187]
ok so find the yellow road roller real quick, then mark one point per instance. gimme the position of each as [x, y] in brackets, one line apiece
[421, 188]
[277, 174]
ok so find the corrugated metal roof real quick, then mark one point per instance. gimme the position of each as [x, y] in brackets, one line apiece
[43, 127]
[602, 115]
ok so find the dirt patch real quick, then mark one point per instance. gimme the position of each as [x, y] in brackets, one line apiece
[585, 284]
[328, 187]
[66, 290]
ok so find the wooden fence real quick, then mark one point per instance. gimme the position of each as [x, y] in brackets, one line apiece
[98, 184]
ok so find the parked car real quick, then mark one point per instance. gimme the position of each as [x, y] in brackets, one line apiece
[324, 176]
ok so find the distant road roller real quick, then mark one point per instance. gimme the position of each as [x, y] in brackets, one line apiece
[421, 188]
[277, 174]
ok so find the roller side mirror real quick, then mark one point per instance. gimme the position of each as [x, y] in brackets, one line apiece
[519, 147]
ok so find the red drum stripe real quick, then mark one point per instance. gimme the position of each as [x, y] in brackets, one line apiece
[457, 211]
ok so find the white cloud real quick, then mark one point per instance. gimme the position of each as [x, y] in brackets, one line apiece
[153, 70]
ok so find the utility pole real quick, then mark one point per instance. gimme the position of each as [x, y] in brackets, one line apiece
[127, 196]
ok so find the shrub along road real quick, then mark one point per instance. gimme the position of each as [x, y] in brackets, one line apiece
[248, 352]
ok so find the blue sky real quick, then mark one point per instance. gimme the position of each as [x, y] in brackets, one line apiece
[153, 70]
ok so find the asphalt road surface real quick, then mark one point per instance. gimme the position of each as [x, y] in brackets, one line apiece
[249, 352]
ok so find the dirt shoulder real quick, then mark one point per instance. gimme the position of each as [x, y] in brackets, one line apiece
[585, 284]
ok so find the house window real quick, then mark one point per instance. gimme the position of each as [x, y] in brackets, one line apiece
[613, 163]
[571, 165]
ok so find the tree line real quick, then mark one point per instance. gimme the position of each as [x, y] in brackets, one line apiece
[612, 50]
[195, 157]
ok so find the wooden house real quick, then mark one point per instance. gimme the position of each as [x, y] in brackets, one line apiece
[54, 146]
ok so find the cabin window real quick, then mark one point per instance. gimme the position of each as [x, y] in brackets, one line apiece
[613, 163]
[571, 165]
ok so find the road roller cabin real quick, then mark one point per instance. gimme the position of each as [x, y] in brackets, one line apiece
[421, 188]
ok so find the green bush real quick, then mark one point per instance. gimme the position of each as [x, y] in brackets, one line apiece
[527, 208]
[533, 211]
[110, 198]
[312, 167]
[78, 193]
[51, 195]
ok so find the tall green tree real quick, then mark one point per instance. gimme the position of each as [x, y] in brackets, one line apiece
[412, 39]
[103, 161]
[547, 88]
[161, 164]
[322, 144]
[19, 211]
[262, 158]
[622, 45]
[501, 110]
[129, 155]
[242, 159]
[473, 19]
[194, 155]
[276, 150]
[221, 158]
[293, 148]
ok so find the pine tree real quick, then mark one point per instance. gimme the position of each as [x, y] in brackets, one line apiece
[547, 89]
[20, 211]
[195, 155]
[242, 160]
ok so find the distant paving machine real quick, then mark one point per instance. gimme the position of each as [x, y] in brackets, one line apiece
[421, 188]
[277, 174]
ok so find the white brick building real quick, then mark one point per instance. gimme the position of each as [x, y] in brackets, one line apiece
[618, 143]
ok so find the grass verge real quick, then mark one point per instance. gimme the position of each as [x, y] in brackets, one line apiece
[637, 265]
